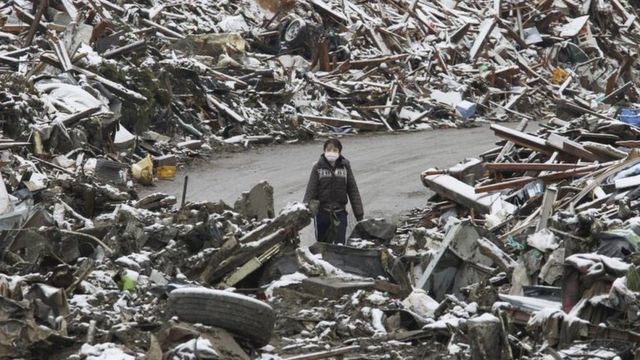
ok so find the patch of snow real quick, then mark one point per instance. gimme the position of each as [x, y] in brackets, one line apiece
[135, 261]
[376, 320]
[105, 351]
[92, 57]
[454, 349]
[81, 301]
[377, 298]
[293, 207]
[285, 280]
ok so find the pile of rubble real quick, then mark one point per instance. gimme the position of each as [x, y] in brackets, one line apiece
[174, 77]
[556, 237]
[80, 288]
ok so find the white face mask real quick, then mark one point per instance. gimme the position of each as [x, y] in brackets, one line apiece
[331, 156]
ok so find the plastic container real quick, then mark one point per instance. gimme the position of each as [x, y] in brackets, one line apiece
[466, 109]
[166, 172]
[630, 116]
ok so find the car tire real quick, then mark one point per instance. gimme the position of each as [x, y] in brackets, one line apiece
[239, 314]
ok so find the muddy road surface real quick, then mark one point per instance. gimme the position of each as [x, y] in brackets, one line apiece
[386, 168]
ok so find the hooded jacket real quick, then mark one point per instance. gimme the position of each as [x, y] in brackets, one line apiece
[332, 185]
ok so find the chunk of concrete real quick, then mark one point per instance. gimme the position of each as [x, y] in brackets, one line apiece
[256, 203]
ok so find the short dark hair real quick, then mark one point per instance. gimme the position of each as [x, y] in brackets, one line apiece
[334, 142]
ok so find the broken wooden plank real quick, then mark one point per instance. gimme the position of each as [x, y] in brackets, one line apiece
[42, 6]
[575, 107]
[522, 139]
[387, 110]
[530, 166]
[224, 77]
[631, 20]
[499, 257]
[251, 265]
[71, 9]
[512, 34]
[435, 259]
[62, 54]
[571, 147]
[453, 189]
[378, 40]
[617, 94]
[162, 29]
[548, 178]
[225, 109]
[9, 60]
[136, 45]
[509, 145]
[364, 63]
[546, 210]
[440, 60]
[113, 86]
[629, 143]
[511, 111]
[460, 33]
[71, 119]
[358, 124]
[485, 30]
[9, 145]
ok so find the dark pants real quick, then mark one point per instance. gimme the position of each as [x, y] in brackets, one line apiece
[331, 226]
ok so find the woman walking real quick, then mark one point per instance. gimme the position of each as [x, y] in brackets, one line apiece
[331, 184]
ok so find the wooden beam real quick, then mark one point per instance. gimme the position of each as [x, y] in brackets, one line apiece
[453, 189]
[546, 211]
[571, 147]
[42, 6]
[358, 124]
[140, 44]
[512, 34]
[552, 177]
[629, 143]
[615, 95]
[485, 30]
[225, 109]
[574, 107]
[387, 110]
[530, 166]
[509, 145]
[522, 139]
[364, 63]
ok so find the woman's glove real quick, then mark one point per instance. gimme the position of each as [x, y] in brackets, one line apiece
[314, 205]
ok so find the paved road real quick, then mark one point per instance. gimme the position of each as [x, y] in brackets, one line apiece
[386, 167]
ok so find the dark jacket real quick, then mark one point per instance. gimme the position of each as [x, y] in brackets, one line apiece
[331, 185]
